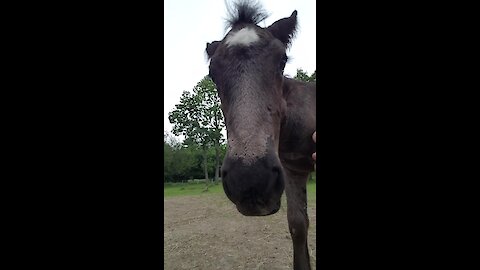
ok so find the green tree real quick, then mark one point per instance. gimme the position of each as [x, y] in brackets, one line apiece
[214, 155]
[313, 77]
[178, 160]
[198, 117]
[303, 76]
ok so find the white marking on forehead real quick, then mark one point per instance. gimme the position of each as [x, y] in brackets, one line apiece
[245, 37]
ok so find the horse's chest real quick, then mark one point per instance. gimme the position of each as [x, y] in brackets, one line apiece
[296, 146]
[297, 161]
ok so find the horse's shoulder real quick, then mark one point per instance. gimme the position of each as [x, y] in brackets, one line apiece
[299, 91]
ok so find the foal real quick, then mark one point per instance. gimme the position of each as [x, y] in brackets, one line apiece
[269, 119]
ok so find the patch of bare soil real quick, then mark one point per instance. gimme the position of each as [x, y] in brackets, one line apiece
[207, 232]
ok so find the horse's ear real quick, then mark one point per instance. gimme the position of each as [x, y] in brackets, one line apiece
[284, 29]
[212, 47]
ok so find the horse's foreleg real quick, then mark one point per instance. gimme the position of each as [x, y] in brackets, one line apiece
[295, 188]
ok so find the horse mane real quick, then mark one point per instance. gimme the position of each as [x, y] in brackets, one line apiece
[245, 11]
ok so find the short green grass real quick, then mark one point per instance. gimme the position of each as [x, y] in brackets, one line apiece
[186, 189]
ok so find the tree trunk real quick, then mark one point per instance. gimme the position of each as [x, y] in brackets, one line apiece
[216, 162]
[205, 164]
[205, 169]
[217, 145]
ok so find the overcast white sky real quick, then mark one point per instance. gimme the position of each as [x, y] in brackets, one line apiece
[190, 24]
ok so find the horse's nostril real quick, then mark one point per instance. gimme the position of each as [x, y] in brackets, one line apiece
[225, 188]
[276, 171]
[277, 176]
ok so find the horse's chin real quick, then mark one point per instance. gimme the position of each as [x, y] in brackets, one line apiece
[258, 211]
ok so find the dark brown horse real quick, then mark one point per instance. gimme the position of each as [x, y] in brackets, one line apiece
[270, 120]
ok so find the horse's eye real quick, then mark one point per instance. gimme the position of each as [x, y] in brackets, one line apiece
[283, 62]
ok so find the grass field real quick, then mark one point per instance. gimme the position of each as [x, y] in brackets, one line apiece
[188, 189]
[204, 230]
[182, 189]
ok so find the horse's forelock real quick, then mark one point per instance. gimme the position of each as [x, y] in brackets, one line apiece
[245, 11]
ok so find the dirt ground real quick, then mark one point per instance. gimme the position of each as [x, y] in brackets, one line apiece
[207, 232]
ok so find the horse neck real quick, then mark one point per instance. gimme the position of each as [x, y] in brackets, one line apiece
[298, 124]
[299, 95]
